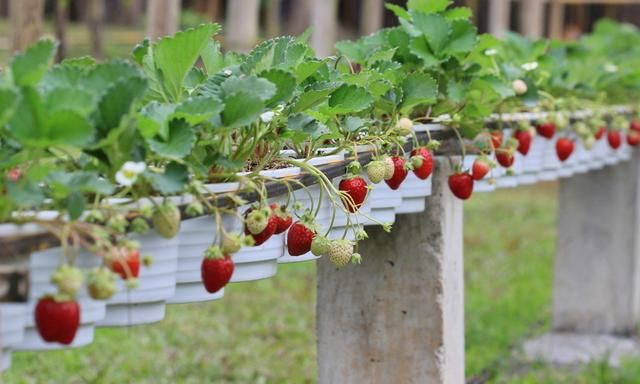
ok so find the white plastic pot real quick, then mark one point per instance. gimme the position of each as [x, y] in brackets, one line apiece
[414, 192]
[383, 203]
[484, 185]
[551, 164]
[195, 236]
[42, 265]
[146, 303]
[533, 162]
[258, 262]
[13, 318]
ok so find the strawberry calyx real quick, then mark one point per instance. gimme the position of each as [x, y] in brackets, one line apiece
[214, 252]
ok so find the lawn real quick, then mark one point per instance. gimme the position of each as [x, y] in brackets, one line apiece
[263, 332]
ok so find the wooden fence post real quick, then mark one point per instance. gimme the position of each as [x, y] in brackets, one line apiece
[242, 25]
[596, 283]
[324, 20]
[499, 17]
[398, 317]
[26, 22]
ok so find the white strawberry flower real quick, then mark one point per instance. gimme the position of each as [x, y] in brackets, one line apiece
[129, 172]
[611, 68]
[530, 66]
[227, 72]
[266, 117]
[491, 52]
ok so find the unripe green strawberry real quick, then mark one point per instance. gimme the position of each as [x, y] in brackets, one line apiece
[376, 171]
[231, 244]
[404, 126]
[139, 225]
[166, 220]
[194, 209]
[68, 279]
[320, 246]
[417, 161]
[340, 252]
[389, 167]
[118, 223]
[257, 220]
[101, 284]
[589, 142]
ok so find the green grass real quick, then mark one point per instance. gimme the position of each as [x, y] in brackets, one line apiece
[263, 332]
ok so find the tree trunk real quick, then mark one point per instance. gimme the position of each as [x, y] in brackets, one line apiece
[132, 12]
[273, 19]
[325, 25]
[163, 17]
[26, 22]
[61, 15]
[95, 22]
[298, 17]
[242, 24]
[371, 14]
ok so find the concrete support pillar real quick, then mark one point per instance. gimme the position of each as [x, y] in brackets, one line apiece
[371, 16]
[26, 22]
[399, 316]
[532, 18]
[163, 17]
[499, 16]
[324, 21]
[597, 271]
[242, 25]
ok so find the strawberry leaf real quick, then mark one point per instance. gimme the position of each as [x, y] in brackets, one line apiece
[435, 29]
[174, 56]
[349, 99]
[179, 142]
[314, 95]
[285, 86]
[428, 6]
[117, 101]
[418, 89]
[29, 67]
[8, 102]
[173, 179]
[241, 109]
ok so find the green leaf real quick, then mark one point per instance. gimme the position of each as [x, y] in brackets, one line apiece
[353, 123]
[349, 99]
[456, 91]
[285, 85]
[428, 6]
[76, 204]
[212, 57]
[314, 95]
[8, 102]
[302, 127]
[179, 143]
[172, 181]
[420, 48]
[153, 119]
[354, 50]
[65, 127]
[307, 68]
[241, 109]
[140, 51]
[28, 123]
[118, 101]
[463, 37]
[458, 13]
[25, 193]
[198, 109]
[418, 88]
[397, 10]
[70, 99]
[257, 87]
[435, 28]
[29, 67]
[174, 56]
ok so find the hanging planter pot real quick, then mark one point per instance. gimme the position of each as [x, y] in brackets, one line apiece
[598, 154]
[13, 319]
[414, 192]
[551, 164]
[195, 236]
[42, 265]
[382, 203]
[258, 262]
[533, 162]
[582, 162]
[146, 303]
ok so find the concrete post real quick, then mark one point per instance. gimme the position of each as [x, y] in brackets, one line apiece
[597, 271]
[324, 21]
[242, 25]
[398, 317]
[163, 17]
[26, 22]
[499, 17]
[532, 18]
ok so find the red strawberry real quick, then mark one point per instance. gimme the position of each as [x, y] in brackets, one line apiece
[57, 321]
[614, 138]
[14, 174]
[480, 168]
[399, 173]
[633, 138]
[216, 272]
[284, 218]
[546, 129]
[461, 185]
[496, 139]
[424, 170]
[599, 133]
[505, 157]
[356, 188]
[267, 232]
[128, 266]
[634, 125]
[524, 138]
[564, 148]
[299, 239]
